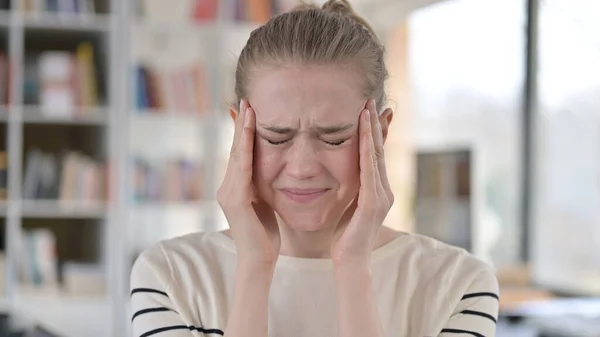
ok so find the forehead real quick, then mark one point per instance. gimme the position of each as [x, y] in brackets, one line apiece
[292, 93]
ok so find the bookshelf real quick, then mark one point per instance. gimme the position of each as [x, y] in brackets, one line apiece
[58, 124]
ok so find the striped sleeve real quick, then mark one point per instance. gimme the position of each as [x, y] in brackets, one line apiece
[476, 313]
[153, 312]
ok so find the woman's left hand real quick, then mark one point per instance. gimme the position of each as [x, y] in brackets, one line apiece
[357, 234]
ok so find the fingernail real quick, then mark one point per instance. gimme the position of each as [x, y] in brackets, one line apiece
[368, 116]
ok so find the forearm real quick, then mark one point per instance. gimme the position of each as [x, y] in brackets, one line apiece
[357, 309]
[249, 313]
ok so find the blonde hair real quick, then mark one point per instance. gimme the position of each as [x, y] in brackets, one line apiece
[309, 35]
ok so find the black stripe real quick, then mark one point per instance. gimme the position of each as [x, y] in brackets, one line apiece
[148, 290]
[480, 295]
[462, 331]
[145, 311]
[478, 313]
[167, 328]
[212, 331]
[183, 327]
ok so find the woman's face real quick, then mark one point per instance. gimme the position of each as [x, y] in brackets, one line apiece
[306, 158]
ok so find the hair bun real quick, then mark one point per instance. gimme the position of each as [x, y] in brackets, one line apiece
[344, 8]
[338, 6]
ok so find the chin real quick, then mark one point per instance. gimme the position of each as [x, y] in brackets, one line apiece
[304, 221]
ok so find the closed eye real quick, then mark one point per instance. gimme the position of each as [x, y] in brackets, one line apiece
[273, 142]
[281, 142]
[338, 143]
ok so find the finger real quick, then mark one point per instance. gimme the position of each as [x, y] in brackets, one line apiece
[374, 151]
[376, 130]
[239, 124]
[378, 145]
[245, 150]
[367, 159]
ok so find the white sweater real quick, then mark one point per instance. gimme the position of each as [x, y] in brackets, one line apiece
[183, 287]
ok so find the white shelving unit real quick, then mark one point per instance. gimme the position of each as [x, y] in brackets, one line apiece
[25, 126]
[160, 135]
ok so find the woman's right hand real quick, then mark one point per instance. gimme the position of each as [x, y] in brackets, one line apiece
[252, 222]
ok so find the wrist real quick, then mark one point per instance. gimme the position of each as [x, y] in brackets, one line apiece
[352, 269]
[253, 280]
[256, 260]
[349, 264]
[252, 267]
[250, 305]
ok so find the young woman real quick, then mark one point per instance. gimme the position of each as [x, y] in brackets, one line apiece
[305, 195]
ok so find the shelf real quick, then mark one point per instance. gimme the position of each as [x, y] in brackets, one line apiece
[175, 206]
[3, 114]
[172, 27]
[212, 25]
[76, 147]
[4, 18]
[4, 305]
[66, 22]
[154, 115]
[57, 209]
[66, 315]
[84, 116]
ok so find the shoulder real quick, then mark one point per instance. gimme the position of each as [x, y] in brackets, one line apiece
[178, 258]
[463, 287]
[456, 270]
[451, 257]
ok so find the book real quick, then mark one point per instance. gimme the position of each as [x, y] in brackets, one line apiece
[259, 10]
[205, 10]
[3, 78]
[167, 11]
[61, 7]
[38, 258]
[178, 11]
[68, 176]
[181, 90]
[178, 180]
[83, 279]
[194, 11]
[62, 82]
[86, 76]
[3, 175]
[56, 94]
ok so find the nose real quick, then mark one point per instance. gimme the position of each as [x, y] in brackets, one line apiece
[302, 160]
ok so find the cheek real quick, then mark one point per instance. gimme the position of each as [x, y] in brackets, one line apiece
[343, 164]
[266, 162]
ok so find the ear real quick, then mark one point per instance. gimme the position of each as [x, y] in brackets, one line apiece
[385, 119]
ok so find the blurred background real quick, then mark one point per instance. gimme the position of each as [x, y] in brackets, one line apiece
[114, 134]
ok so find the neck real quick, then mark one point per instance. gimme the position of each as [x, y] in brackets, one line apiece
[314, 244]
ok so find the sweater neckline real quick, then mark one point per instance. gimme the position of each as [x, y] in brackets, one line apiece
[292, 262]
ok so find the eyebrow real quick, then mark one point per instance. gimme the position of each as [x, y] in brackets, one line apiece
[320, 129]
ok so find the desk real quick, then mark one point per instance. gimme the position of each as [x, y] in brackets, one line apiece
[506, 329]
[560, 317]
